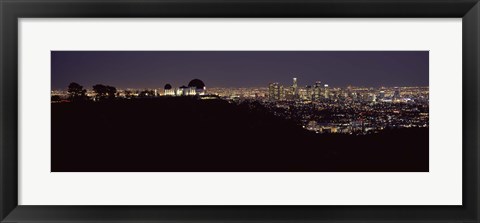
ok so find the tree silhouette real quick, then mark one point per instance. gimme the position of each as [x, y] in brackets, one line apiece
[56, 98]
[128, 94]
[104, 92]
[76, 92]
[111, 92]
[147, 93]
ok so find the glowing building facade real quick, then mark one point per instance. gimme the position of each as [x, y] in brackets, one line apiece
[195, 87]
[275, 91]
[317, 91]
[295, 87]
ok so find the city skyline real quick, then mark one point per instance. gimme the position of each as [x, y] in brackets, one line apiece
[240, 111]
[154, 69]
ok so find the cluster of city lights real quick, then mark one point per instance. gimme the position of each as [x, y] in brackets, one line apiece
[318, 108]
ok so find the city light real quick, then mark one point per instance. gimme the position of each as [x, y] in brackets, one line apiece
[318, 107]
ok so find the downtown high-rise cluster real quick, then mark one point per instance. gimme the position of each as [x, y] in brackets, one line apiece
[317, 92]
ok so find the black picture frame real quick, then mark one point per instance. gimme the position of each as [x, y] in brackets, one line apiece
[12, 10]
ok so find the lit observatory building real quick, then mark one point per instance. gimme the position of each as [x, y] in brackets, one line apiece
[195, 87]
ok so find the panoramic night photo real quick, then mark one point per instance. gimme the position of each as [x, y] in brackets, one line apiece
[240, 111]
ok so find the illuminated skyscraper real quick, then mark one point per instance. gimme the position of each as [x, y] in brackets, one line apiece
[281, 93]
[396, 94]
[295, 87]
[326, 92]
[274, 91]
[373, 98]
[317, 91]
[309, 92]
[381, 95]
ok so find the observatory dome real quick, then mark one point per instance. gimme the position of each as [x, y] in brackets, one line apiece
[198, 84]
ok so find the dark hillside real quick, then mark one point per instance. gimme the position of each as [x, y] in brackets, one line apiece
[185, 134]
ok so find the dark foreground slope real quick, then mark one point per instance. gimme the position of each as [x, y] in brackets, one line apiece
[184, 134]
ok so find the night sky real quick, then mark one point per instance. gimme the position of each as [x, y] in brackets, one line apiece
[154, 69]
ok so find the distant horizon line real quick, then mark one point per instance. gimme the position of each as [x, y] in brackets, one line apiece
[353, 86]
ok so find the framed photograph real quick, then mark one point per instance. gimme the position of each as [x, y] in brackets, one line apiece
[322, 111]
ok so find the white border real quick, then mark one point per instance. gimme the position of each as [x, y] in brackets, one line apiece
[441, 186]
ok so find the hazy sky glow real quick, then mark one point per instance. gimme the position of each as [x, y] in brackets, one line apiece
[154, 69]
